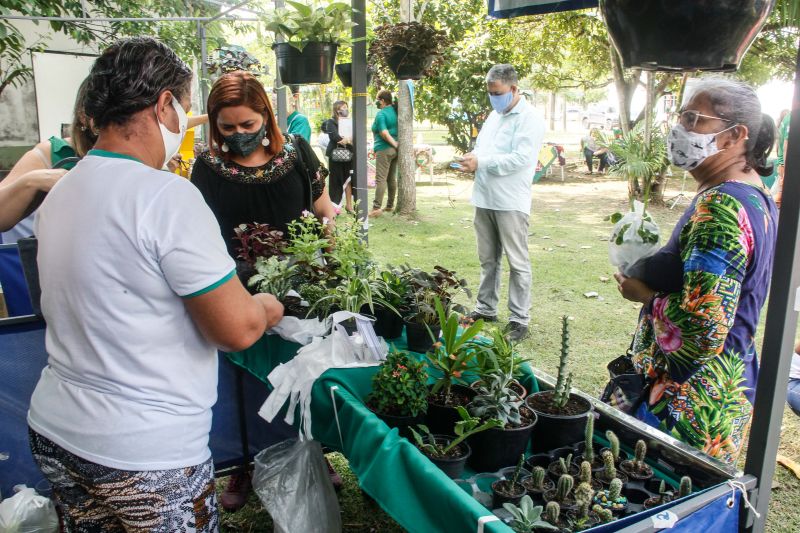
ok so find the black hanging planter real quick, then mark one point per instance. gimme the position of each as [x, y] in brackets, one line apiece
[344, 71]
[313, 65]
[408, 66]
[684, 34]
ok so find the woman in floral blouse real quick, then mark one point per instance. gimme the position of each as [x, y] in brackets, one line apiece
[697, 344]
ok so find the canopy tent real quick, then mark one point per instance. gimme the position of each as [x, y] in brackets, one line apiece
[517, 8]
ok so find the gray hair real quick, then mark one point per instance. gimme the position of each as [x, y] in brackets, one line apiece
[738, 102]
[504, 73]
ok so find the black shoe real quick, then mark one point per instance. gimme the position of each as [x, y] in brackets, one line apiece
[475, 316]
[515, 331]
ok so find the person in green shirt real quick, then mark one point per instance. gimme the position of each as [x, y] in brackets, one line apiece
[384, 130]
[297, 123]
[783, 137]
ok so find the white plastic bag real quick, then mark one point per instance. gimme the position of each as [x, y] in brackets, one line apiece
[28, 512]
[634, 237]
[291, 480]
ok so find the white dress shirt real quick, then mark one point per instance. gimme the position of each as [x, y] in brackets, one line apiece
[507, 149]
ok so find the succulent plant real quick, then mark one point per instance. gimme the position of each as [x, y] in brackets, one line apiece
[686, 486]
[588, 439]
[605, 515]
[613, 444]
[583, 497]
[497, 399]
[586, 472]
[615, 489]
[609, 469]
[564, 487]
[538, 477]
[640, 453]
[564, 380]
[518, 469]
[527, 517]
[551, 512]
[563, 464]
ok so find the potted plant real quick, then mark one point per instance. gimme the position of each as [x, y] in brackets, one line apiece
[664, 496]
[508, 490]
[389, 322]
[603, 515]
[306, 247]
[609, 472]
[589, 454]
[562, 466]
[613, 445]
[560, 412]
[582, 517]
[450, 453]
[399, 393]
[552, 513]
[499, 354]
[526, 518]
[356, 295]
[685, 487]
[312, 36]
[449, 359]
[230, 58]
[710, 35]
[562, 493]
[612, 498]
[344, 71]
[274, 276]
[500, 446]
[585, 476]
[537, 483]
[410, 50]
[637, 468]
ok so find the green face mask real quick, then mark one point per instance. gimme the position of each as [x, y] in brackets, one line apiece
[244, 144]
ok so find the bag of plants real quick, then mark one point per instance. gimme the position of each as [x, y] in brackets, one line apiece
[634, 237]
[291, 480]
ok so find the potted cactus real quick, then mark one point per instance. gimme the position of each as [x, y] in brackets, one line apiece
[562, 493]
[612, 498]
[609, 472]
[526, 518]
[552, 513]
[508, 490]
[664, 496]
[585, 476]
[399, 393]
[560, 412]
[637, 469]
[590, 454]
[582, 518]
[538, 483]
[685, 487]
[561, 466]
[603, 515]
[613, 446]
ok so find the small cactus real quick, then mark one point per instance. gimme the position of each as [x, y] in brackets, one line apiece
[551, 512]
[586, 472]
[662, 487]
[564, 381]
[562, 466]
[588, 439]
[605, 515]
[564, 487]
[538, 478]
[518, 469]
[613, 444]
[583, 497]
[641, 453]
[686, 486]
[615, 489]
[609, 469]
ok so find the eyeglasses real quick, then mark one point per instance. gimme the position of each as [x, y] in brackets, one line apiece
[688, 119]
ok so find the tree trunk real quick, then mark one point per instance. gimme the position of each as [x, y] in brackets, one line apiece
[625, 88]
[552, 111]
[564, 115]
[406, 184]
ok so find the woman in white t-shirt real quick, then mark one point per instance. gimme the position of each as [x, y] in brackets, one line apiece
[138, 292]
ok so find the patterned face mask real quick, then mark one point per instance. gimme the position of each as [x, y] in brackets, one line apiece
[244, 144]
[688, 149]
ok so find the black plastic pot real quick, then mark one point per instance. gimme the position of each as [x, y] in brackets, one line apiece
[313, 65]
[684, 34]
[498, 499]
[407, 66]
[388, 324]
[344, 71]
[554, 431]
[628, 467]
[453, 467]
[418, 337]
[498, 447]
[441, 418]
[402, 423]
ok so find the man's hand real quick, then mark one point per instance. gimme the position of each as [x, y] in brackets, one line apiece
[634, 289]
[469, 163]
[272, 307]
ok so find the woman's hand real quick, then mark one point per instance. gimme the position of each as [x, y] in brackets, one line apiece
[634, 289]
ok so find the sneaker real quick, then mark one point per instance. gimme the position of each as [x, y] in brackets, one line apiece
[475, 316]
[336, 479]
[234, 497]
[515, 331]
[375, 213]
[388, 209]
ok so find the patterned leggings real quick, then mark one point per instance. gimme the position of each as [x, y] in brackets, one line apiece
[93, 498]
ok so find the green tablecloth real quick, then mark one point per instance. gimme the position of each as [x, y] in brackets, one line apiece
[404, 482]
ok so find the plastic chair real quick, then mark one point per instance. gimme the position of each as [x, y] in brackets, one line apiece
[12, 279]
[547, 155]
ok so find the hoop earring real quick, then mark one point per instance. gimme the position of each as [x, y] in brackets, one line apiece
[225, 147]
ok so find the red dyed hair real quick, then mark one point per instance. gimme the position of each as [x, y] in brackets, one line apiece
[242, 88]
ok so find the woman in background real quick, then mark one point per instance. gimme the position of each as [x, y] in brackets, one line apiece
[340, 170]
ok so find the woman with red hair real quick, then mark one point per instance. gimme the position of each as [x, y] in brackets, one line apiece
[253, 172]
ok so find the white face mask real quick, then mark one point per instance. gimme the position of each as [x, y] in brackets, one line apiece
[172, 140]
[688, 149]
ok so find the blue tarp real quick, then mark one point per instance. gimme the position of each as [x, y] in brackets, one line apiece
[516, 8]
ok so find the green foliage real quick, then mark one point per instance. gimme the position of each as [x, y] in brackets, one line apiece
[274, 276]
[463, 429]
[350, 257]
[420, 43]
[497, 399]
[552, 511]
[609, 468]
[399, 289]
[352, 295]
[518, 469]
[639, 163]
[563, 382]
[564, 464]
[453, 355]
[301, 23]
[588, 439]
[526, 517]
[231, 58]
[685, 487]
[774, 51]
[307, 245]
[564, 487]
[498, 355]
[399, 386]
[426, 288]
[613, 444]
[314, 293]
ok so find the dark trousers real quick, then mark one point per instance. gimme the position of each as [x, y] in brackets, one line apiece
[589, 155]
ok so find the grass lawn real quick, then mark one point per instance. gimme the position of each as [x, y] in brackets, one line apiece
[569, 256]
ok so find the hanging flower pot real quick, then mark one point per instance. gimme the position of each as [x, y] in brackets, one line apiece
[684, 34]
[410, 50]
[313, 65]
[344, 71]
[407, 66]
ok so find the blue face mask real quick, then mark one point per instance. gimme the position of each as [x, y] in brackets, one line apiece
[501, 102]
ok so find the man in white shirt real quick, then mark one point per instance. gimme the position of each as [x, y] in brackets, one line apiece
[504, 162]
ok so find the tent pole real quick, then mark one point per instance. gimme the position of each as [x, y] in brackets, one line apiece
[280, 95]
[359, 105]
[779, 332]
[201, 31]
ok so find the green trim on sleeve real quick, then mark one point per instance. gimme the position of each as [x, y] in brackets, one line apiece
[213, 286]
[112, 155]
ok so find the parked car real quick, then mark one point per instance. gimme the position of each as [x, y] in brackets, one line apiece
[574, 114]
[604, 117]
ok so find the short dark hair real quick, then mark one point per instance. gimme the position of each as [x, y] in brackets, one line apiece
[129, 76]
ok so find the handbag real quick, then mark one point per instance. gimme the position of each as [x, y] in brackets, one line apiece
[340, 154]
[626, 389]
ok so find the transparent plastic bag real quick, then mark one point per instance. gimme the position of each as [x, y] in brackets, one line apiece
[291, 480]
[28, 512]
[634, 237]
